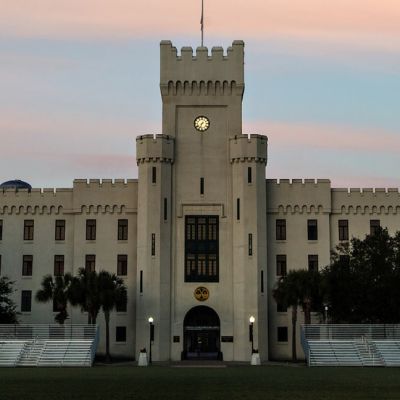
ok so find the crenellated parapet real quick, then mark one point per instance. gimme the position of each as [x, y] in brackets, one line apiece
[366, 201]
[252, 148]
[201, 74]
[150, 148]
[92, 196]
[298, 196]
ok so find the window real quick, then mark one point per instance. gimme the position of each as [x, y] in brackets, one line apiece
[27, 262]
[282, 334]
[374, 225]
[250, 245]
[90, 229]
[0, 264]
[238, 209]
[312, 229]
[120, 333]
[28, 229]
[122, 265]
[165, 209]
[60, 229]
[153, 244]
[121, 306]
[154, 175]
[262, 281]
[281, 229]
[344, 259]
[281, 307]
[249, 175]
[201, 186]
[141, 282]
[201, 248]
[122, 229]
[343, 229]
[1, 229]
[313, 262]
[26, 300]
[58, 265]
[90, 263]
[281, 268]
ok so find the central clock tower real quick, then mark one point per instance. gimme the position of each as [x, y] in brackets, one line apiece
[202, 213]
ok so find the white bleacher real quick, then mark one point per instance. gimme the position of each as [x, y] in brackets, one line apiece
[48, 345]
[389, 350]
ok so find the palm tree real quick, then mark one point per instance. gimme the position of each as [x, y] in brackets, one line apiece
[85, 292]
[298, 288]
[112, 294]
[56, 289]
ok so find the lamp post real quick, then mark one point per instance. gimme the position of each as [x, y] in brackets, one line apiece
[326, 313]
[251, 336]
[151, 320]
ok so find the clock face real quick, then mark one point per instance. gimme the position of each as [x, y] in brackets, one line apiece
[201, 123]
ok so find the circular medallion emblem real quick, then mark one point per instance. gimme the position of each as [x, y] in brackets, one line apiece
[201, 293]
[201, 123]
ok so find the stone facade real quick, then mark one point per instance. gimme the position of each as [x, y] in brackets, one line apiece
[186, 173]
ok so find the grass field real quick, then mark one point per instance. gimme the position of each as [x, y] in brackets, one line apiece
[244, 382]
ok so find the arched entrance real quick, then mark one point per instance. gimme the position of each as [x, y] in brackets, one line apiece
[201, 333]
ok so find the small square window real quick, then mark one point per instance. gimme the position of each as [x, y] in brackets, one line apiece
[26, 301]
[281, 307]
[374, 226]
[122, 229]
[58, 265]
[281, 267]
[281, 229]
[312, 229]
[121, 306]
[28, 229]
[90, 229]
[313, 262]
[60, 229]
[282, 334]
[122, 265]
[120, 334]
[90, 262]
[27, 264]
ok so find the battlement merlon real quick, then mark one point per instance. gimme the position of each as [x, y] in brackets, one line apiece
[253, 148]
[200, 66]
[150, 148]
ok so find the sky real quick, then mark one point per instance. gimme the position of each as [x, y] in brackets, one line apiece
[79, 81]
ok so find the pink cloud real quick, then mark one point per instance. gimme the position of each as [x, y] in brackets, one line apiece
[341, 20]
[334, 137]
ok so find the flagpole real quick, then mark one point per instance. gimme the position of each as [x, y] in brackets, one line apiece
[202, 22]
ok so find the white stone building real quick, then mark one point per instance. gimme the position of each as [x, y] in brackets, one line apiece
[200, 237]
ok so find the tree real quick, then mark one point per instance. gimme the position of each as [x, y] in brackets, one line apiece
[8, 313]
[56, 289]
[85, 292]
[362, 282]
[299, 288]
[112, 294]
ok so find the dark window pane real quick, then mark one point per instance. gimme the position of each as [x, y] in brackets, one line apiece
[121, 306]
[120, 334]
[1, 229]
[312, 229]
[374, 225]
[90, 229]
[201, 248]
[122, 229]
[58, 265]
[237, 209]
[154, 175]
[90, 262]
[343, 225]
[281, 267]
[26, 300]
[201, 185]
[28, 229]
[249, 175]
[281, 229]
[141, 282]
[153, 244]
[282, 334]
[313, 262]
[262, 281]
[60, 229]
[250, 244]
[122, 265]
[27, 263]
[281, 307]
[0, 264]
[165, 209]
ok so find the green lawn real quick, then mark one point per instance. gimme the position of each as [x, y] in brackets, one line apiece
[244, 382]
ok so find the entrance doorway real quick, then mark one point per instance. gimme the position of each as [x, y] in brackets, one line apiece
[201, 332]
